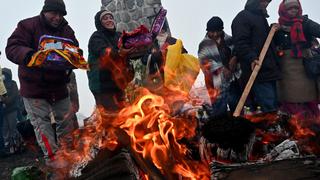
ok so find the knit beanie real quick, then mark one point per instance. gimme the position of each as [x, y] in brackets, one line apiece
[105, 12]
[215, 24]
[290, 3]
[54, 5]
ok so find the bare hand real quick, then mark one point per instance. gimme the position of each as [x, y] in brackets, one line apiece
[276, 26]
[254, 64]
[233, 63]
[227, 73]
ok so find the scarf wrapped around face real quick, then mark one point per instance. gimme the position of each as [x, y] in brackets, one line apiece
[296, 29]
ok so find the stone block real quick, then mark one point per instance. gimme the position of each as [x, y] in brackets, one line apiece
[119, 6]
[106, 2]
[129, 4]
[122, 26]
[117, 17]
[140, 3]
[125, 17]
[147, 12]
[111, 7]
[152, 2]
[136, 14]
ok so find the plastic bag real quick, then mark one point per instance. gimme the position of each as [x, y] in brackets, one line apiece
[181, 70]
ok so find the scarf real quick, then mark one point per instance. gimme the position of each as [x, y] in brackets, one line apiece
[296, 29]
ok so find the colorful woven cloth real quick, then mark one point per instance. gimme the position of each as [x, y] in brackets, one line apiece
[141, 38]
[58, 53]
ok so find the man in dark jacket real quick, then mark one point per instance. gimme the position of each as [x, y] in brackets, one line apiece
[43, 90]
[249, 31]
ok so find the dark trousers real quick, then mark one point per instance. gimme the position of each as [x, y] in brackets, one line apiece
[109, 101]
[265, 95]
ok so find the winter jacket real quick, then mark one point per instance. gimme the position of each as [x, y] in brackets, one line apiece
[249, 31]
[100, 77]
[22, 44]
[12, 99]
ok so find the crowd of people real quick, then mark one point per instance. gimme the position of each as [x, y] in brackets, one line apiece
[226, 61]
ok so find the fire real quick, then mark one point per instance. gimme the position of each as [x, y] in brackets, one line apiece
[149, 131]
[155, 135]
[296, 127]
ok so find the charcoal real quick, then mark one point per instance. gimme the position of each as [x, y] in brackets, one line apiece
[228, 131]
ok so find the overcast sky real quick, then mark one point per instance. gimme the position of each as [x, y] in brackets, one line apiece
[187, 20]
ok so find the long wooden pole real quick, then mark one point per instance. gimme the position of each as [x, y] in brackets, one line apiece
[254, 73]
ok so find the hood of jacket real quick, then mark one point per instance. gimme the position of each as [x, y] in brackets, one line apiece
[254, 6]
[98, 24]
[7, 73]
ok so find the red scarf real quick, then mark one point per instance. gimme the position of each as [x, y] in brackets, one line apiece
[296, 29]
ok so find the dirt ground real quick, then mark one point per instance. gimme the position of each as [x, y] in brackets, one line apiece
[25, 158]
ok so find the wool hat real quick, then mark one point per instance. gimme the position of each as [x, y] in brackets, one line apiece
[105, 12]
[215, 24]
[290, 3]
[54, 5]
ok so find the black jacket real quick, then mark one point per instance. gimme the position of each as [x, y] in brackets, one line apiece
[250, 29]
[100, 80]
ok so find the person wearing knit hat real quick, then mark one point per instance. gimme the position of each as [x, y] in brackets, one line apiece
[53, 12]
[215, 24]
[219, 66]
[298, 94]
[54, 5]
[215, 28]
[107, 20]
[44, 90]
[103, 49]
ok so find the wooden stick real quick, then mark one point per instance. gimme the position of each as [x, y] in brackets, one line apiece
[254, 73]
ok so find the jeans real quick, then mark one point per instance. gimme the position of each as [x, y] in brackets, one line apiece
[229, 96]
[265, 96]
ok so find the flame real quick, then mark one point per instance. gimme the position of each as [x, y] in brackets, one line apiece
[148, 129]
[297, 128]
[155, 135]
